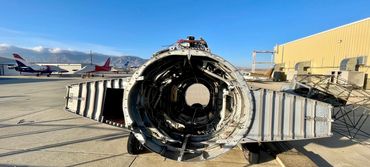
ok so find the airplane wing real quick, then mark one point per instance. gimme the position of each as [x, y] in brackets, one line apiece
[86, 69]
[57, 69]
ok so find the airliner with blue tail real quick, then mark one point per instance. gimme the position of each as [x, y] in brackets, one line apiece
[24, 66]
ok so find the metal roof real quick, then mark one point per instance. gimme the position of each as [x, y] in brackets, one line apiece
[7, 61]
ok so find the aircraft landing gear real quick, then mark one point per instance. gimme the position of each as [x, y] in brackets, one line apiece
[252, 152]
[134, 146]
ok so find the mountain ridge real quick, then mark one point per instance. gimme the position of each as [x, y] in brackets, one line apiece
[57, 55]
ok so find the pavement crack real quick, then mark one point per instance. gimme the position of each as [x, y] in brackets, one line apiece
[132, 162]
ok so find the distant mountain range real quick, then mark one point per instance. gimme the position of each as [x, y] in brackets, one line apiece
[56, 55]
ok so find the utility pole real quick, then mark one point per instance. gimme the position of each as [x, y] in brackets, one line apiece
[90, 57]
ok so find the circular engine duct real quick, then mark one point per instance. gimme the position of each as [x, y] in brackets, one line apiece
[157, 108]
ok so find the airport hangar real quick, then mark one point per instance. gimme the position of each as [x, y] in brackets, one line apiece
[4, 64]
[342, 51]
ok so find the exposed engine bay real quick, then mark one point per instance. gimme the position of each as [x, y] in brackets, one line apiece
[188, 104]
[160, 112]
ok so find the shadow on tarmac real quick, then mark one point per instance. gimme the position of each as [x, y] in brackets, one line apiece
[25, 80]
[117, 135]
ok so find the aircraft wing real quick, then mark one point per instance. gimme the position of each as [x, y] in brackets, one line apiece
[86, 69]
[57, 69]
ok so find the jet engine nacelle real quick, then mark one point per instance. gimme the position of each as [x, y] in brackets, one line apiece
[156, 108]
[188, 104]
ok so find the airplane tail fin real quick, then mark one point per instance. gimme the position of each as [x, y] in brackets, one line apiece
[126, 64]
[107, 63]
[20, 61]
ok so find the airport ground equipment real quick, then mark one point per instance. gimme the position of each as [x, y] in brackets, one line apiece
[154, 105]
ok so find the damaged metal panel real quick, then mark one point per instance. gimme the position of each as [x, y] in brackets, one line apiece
[87, 99]
[282, 116]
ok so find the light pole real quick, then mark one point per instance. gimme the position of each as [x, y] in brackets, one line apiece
[90, 57]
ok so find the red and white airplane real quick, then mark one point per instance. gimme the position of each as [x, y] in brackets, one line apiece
[91, 68]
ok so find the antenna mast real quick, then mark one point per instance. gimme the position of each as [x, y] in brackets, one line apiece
[90, 57]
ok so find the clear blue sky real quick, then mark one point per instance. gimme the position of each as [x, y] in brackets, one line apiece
[232, 28]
